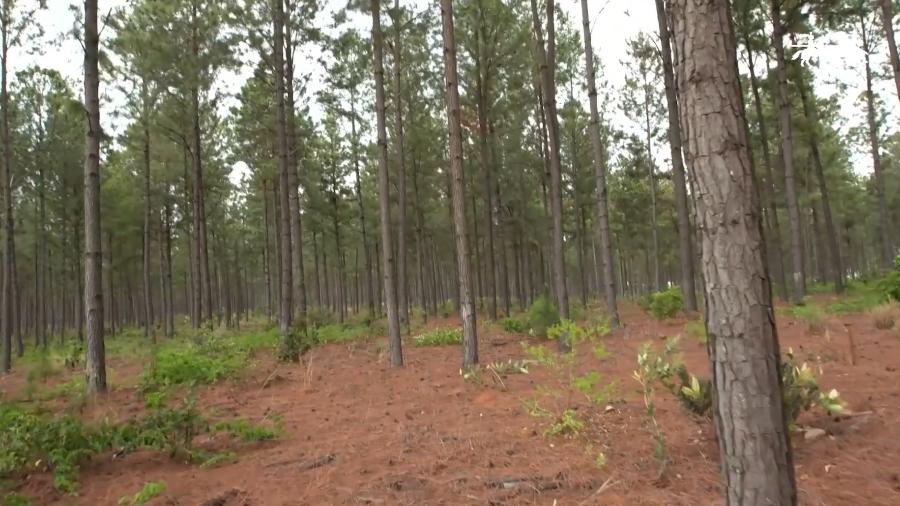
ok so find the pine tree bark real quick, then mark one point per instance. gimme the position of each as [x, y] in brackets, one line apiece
[285, 314]
[769, 188]
[887, 23]
[546, 65]
[95, 359]
[457, 178]
[798, 277]
[751, 425]
[8, 294]
[685, 243]
[387, 253]
[148, 299]
[370, 284]
[836, 268]
[599, 161]
[886, 257]
[402, 281]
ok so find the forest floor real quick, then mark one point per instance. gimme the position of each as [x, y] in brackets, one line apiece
[357, 432]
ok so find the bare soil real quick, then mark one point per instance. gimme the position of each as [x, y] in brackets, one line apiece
[360, 433]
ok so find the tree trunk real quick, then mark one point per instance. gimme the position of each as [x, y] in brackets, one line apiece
[95, 359]
[787, 142]
[877, 170]
[6, 298]
[770, 189]
[284, 182]
[299, 276]
[685, 244]
[466, 307]
[651, 174]
[267, 263]
[887, 23]
[370, 284]
[837, 271]
[546, 65]
[420, 242]
[402, 281]
[387, 253]
[751, 425]
[599, 161]
[145, 253]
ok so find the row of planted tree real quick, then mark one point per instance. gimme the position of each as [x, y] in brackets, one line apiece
[330, 208]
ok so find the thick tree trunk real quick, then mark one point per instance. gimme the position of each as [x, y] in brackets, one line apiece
[837, 271]
[752, 429]
[685, 244]
[599, 162]
[95, 359]
[784, 117]
[886, 255]
[887, 23]
[299, 276]
[387, 253]
[451, 83]
[546, 65]
[769, 188]
[284, 182]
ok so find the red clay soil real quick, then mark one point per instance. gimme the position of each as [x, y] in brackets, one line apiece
[358, 432]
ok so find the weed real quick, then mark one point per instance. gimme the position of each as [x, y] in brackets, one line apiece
[509, 367]
[665, 304]
[542, 315]
[697, 330]
[889, 285]
[540, 354]
[150, 490]
[650, 368]
[439, 337]
[515, 325]
[801, 391]
[885, 316]
[590, 384]
[568, 424]
[218, 459]
[247, 432]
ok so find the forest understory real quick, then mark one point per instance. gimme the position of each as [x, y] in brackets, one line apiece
[343, 427]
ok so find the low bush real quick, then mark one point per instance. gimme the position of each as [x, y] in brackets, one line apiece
[542, 315]
[439, 337]
[514, 325]
[150, 490]
[889, 285]
[665, 304]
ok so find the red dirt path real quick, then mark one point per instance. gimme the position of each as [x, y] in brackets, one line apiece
[422, 436]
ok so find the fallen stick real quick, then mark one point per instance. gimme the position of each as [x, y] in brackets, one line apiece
[606, 485]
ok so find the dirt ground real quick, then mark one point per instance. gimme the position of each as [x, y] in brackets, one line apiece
[360, 433]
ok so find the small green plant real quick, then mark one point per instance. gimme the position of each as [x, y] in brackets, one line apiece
[540, 354]
[514, 325]
[150, 490]
[801, 391]
[697, 330]
[510, 366]
[542, 315]
[439, 337]
[650, 368]
[14, 499]
[568, 424]
[592, 386]
[665, 304]
[813, 315]
[245, 431]
[218, 459]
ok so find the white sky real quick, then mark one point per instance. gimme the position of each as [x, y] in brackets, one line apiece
[613, 22]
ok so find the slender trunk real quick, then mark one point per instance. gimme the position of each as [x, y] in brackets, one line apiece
[284, 190]
[787, 142]
[685, 244]
[751, 424]
[770, 189]
[267, 263]
[299, 276]
[466, 308]
[145, 254]
[877, 169]
[402, 282]
[420, 251]
[339, 250]
[599, 161]
[837, 271]
[547, 65]
[887, 23]
[370, 285]
[95, 359]
[651, 174]
[387, 253]
[8, 294]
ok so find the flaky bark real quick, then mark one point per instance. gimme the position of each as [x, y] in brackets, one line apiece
[451, 83]
[384, 197]
[755, 450]
[95, 359]
[602, 221]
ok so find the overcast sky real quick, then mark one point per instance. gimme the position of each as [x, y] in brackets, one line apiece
[613, 23]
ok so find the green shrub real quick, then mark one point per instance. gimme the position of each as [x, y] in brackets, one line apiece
[697, 330]
[150, 490]
[665, 304]
[890, 284]
[542, 315]
[515, 325]
[801, 391]
[439, 337]
[336, 333]
[247, 432]
[568, 424]
[187, 365]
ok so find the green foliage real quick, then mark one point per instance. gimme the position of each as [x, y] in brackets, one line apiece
[697, 330]
[665, 304]
[150, 490]
[445, 309]
[218, 459]
[568, 424]
[14, 499]
[514, 325]
[889, 285]
[801, 392]
[510, 366]
[650, 368]
[336, 333]
[542, 315]
[813, 315]
[247, 432]
[439, 337]
[859, 296]
[592, 386]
